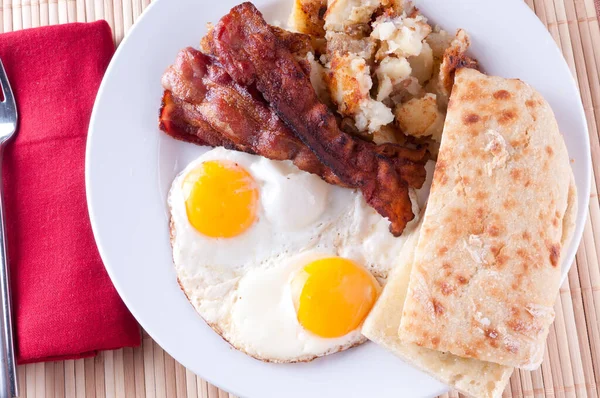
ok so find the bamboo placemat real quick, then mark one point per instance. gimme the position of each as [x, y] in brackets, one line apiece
[572, 364]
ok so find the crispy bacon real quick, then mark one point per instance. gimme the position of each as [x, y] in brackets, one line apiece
[298, 43]
[174, 121]
[247, 48]
[204, 106]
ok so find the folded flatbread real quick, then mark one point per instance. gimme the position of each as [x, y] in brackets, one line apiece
[471, 377]
[487, 267]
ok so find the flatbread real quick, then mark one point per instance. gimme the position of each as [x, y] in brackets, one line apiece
[488, 262]
[469, 376]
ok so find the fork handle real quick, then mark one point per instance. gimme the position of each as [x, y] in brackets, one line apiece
[8, 368]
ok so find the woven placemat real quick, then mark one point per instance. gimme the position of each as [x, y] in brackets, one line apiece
[572, 363]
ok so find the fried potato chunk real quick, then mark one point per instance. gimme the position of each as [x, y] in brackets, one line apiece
[455, 57]
[422, 64]
[338, 42]
[420, 117]
[307, 17]
[402, 36]
[345, 15]
[390, 72]
[350, 85]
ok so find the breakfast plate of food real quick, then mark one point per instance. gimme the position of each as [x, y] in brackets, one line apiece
[340, 198]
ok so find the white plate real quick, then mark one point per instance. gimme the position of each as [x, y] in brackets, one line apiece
[130, 165]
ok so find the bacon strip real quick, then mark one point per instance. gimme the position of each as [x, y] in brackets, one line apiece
[298, 43]
[174, 121]
[204, 106]
[252, 55]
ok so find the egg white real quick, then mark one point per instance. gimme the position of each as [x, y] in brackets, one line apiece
[241, 285]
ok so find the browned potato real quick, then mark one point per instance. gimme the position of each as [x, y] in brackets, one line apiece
[420, 117]
[308, 17]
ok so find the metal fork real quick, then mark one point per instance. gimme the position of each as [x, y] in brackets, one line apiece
[8, 368]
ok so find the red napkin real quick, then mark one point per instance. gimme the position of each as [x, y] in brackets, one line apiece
[65, 305]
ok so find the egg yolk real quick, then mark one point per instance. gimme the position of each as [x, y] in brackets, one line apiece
[221, 199]
[333, 296]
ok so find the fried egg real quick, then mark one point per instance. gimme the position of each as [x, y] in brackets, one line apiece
[282, 265]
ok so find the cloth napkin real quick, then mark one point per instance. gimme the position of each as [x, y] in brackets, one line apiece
[597, 3]
[64, 304]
